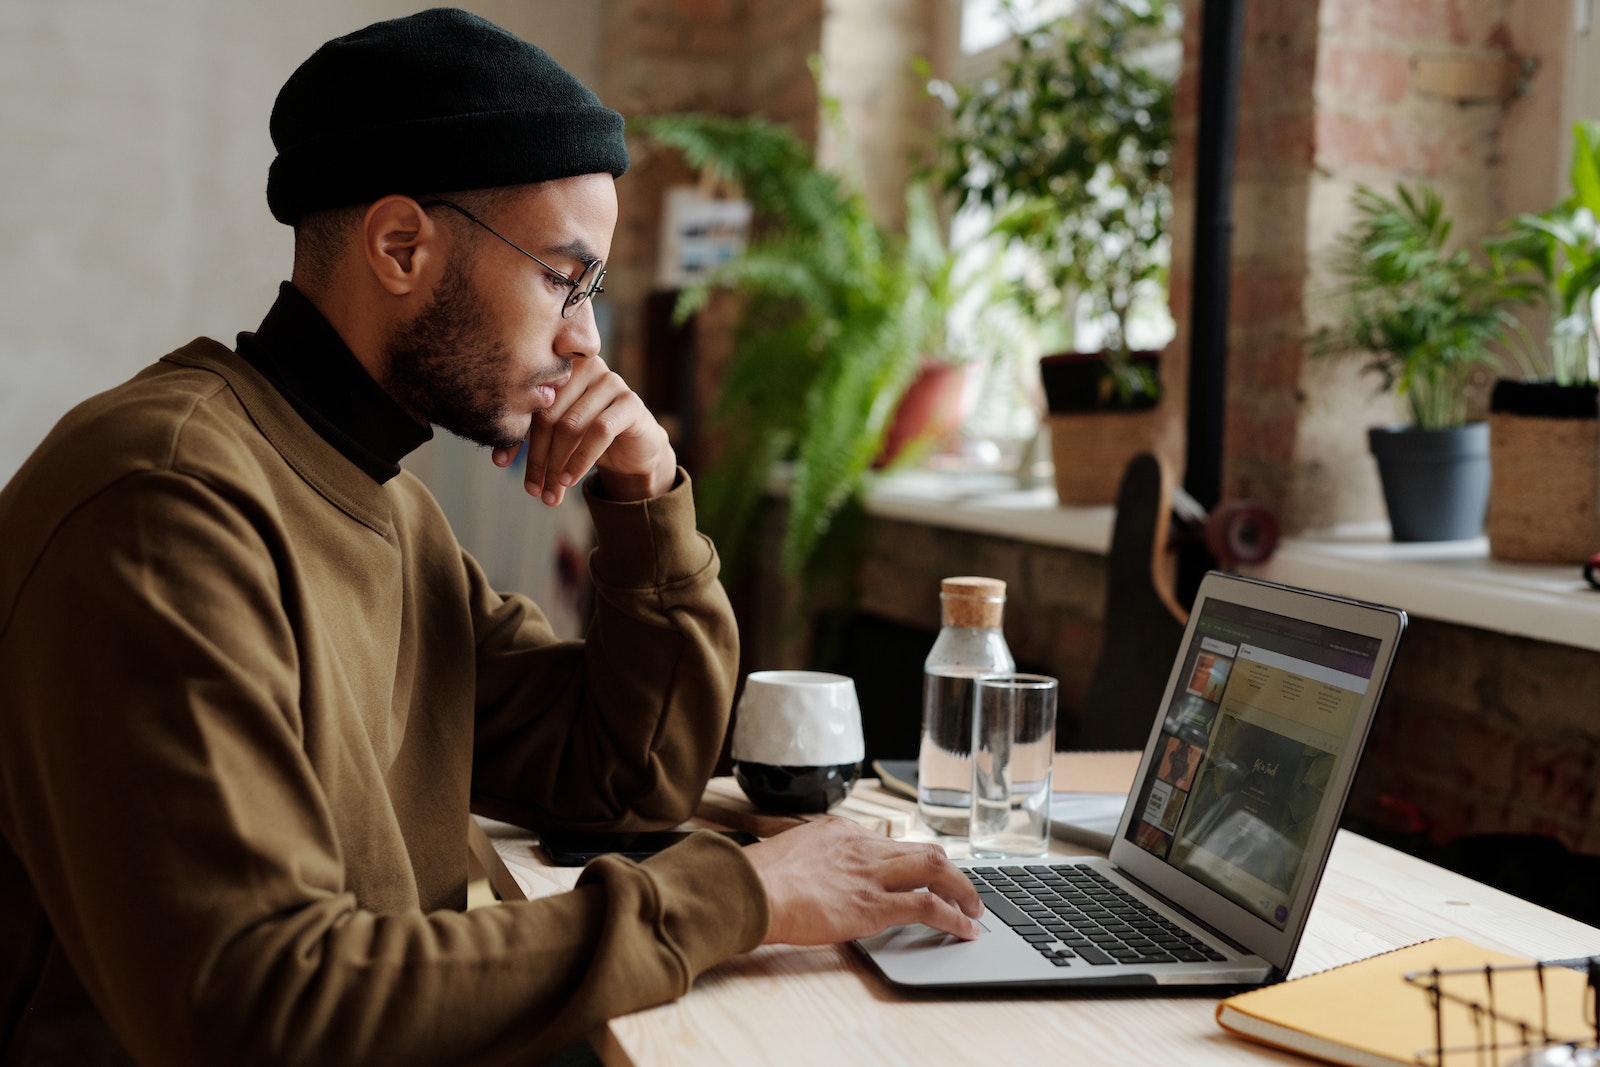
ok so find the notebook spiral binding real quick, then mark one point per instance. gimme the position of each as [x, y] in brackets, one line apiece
[1498, 1037]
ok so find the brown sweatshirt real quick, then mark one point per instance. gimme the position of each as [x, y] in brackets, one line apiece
[247, 694]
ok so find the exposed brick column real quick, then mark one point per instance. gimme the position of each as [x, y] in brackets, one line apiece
[731, 57]
[1273, 165]
[1334, 94]
[1414, 91]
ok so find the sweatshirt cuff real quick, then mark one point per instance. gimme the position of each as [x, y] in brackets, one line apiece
[660, 545]
[711, 905]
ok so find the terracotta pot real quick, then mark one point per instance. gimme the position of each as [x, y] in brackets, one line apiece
[932, 408]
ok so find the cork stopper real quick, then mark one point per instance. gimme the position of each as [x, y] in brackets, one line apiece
[971, 602]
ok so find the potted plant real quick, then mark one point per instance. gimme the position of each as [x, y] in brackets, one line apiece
[838, 318]
[1544, 429]
[1429, 318]
[1069, 148]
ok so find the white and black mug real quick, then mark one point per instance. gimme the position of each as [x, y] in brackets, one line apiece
[797, 745]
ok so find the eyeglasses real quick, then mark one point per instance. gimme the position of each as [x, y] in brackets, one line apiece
[585, 287]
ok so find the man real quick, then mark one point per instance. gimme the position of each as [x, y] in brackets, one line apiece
[250, 683]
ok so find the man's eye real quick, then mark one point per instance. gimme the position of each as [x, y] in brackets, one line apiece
[556, 281]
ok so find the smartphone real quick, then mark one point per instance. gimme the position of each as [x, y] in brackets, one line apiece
[574, 848]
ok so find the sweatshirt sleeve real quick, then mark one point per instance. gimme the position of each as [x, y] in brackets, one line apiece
[624, 728]
[154, 784]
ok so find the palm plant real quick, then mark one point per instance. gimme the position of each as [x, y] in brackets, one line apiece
[1429, 317]
[837, 316]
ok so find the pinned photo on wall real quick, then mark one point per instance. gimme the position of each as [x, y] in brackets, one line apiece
[699, 233]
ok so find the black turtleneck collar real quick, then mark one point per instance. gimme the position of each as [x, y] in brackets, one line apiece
[300, 353]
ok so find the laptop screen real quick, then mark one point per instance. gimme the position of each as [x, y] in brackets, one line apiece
[1265, 706]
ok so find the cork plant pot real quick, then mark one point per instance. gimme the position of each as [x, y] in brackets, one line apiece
[1093, 435]
[1092, 450]
[1544, 454]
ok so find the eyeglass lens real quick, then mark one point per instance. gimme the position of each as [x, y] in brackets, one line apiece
[585, 287]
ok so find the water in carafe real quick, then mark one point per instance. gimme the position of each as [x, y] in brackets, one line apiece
[970, 643]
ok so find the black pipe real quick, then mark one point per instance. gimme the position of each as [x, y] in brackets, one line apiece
[1221, 37]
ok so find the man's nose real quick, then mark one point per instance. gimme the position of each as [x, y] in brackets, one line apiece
[580, 334]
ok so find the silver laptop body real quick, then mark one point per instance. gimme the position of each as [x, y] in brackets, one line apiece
[1227, 827]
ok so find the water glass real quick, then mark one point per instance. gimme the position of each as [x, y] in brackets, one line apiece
[1013, 747]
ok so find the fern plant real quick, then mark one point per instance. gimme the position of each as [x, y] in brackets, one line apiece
[837, 316]
[1428, 316]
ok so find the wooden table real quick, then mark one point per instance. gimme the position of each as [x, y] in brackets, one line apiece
[784, 1005]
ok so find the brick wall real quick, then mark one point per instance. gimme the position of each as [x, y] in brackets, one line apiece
[1480, 732]
[1484, 733]
[1413, 92]
[731, 57]
[1464, 94]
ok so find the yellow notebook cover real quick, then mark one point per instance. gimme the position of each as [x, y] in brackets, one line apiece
[1366, 1014]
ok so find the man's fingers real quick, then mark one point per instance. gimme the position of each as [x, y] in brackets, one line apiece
[570, 437]
[926, 866]
[587, 431]
[537, 476]
[930, 909]
[830, 881]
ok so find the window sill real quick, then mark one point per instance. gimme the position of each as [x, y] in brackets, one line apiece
[990, 504]
[1452, 581]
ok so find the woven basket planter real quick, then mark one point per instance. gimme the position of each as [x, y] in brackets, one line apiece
[1092, 438]
[1092, 449]
[1544, 491]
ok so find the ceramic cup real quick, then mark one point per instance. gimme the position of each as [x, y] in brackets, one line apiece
[797, 744]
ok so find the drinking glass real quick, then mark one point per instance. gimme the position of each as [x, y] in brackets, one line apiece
[1013, 746]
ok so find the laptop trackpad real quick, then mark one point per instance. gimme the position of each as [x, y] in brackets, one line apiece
[921, 955]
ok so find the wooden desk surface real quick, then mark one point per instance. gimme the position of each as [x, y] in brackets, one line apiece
[785, 1005]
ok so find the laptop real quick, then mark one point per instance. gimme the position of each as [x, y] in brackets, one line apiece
[1223, 838]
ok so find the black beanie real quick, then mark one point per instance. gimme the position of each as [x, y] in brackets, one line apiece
[434, 102]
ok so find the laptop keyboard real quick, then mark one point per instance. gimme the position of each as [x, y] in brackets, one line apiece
[1071, 913]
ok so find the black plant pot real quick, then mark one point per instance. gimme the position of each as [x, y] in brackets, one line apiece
[1544, 400]
[1435, 482]
[1080, 381]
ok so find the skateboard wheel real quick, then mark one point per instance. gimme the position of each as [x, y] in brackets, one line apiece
[1239, 531]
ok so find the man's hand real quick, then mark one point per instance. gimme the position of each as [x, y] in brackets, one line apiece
[596, 421]
[830, 881]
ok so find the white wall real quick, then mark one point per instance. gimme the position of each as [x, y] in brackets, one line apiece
[133, 214]
[133, 163]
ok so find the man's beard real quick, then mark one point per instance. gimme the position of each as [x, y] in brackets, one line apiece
[445, 368]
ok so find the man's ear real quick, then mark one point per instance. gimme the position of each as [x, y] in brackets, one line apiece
[402, 244]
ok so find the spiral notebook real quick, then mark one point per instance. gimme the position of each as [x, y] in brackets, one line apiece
[1221, 842]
